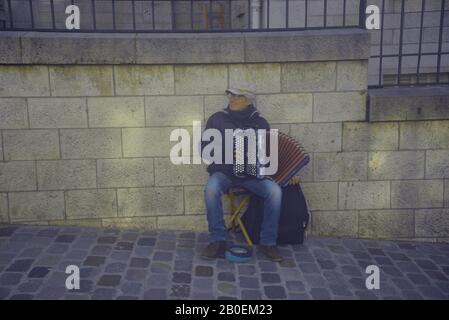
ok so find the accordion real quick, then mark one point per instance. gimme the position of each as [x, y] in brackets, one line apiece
[291, 158]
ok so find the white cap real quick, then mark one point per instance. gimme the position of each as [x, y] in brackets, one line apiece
[243, 89]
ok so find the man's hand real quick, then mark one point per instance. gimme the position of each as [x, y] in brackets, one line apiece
[294, 180]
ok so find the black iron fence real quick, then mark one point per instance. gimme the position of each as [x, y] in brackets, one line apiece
[182, 15]
[414, 48]
[411, 47]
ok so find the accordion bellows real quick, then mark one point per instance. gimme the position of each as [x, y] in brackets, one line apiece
[291, 159]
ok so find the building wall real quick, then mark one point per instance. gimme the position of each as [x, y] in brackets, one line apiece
[85, 138]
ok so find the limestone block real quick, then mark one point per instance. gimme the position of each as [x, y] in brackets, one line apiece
[57, 112]
[352, 75]
[308, 76]
[335, 223]
[173, 111]
[130, 222]
[81, 81]
[190, 222]
[32, 206]
[121, 173]
[339, 106]
[318, 137]
[149, 142]
[36, 144]
[396, 165]
[90, 143]
[432, 223]
[76, 48]
[144, 79]
[13, 113]
[424, 135]
[159, 201]
[364, 136]
[340, 166]
[17, 176]
[364, 195]
[286, 108]
[65, 174]
[201, 79]
[265, 77]
[197, 48]
[24, 81]
[417, 193]
[437, 164]
[94, 203]
[4, 217]
[10, 47]
[116, 111]
[84, 223]
[321, 195]
[386, 224]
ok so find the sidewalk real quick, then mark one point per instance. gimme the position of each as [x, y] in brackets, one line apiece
[139, 264]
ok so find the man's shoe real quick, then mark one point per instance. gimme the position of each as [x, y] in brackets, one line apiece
[271, 252]
[214, 250]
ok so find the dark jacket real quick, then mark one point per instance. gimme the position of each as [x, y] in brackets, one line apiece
[229, 119]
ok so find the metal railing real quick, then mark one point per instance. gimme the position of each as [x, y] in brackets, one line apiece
[170, 15]
[2, 16]
[390, 68]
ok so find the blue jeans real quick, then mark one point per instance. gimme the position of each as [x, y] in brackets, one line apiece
[218, 184]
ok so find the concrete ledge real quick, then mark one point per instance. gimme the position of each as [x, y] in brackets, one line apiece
[409, 103]
[10, 47]
[310, 45]
[177, 48]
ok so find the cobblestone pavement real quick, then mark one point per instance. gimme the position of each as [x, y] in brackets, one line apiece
[139, 264]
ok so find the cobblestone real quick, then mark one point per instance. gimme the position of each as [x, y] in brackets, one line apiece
[139, 264]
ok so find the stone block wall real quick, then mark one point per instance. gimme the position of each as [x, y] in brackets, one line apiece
[85, 135]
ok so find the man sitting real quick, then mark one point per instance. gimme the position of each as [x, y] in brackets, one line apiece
[239, 114]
